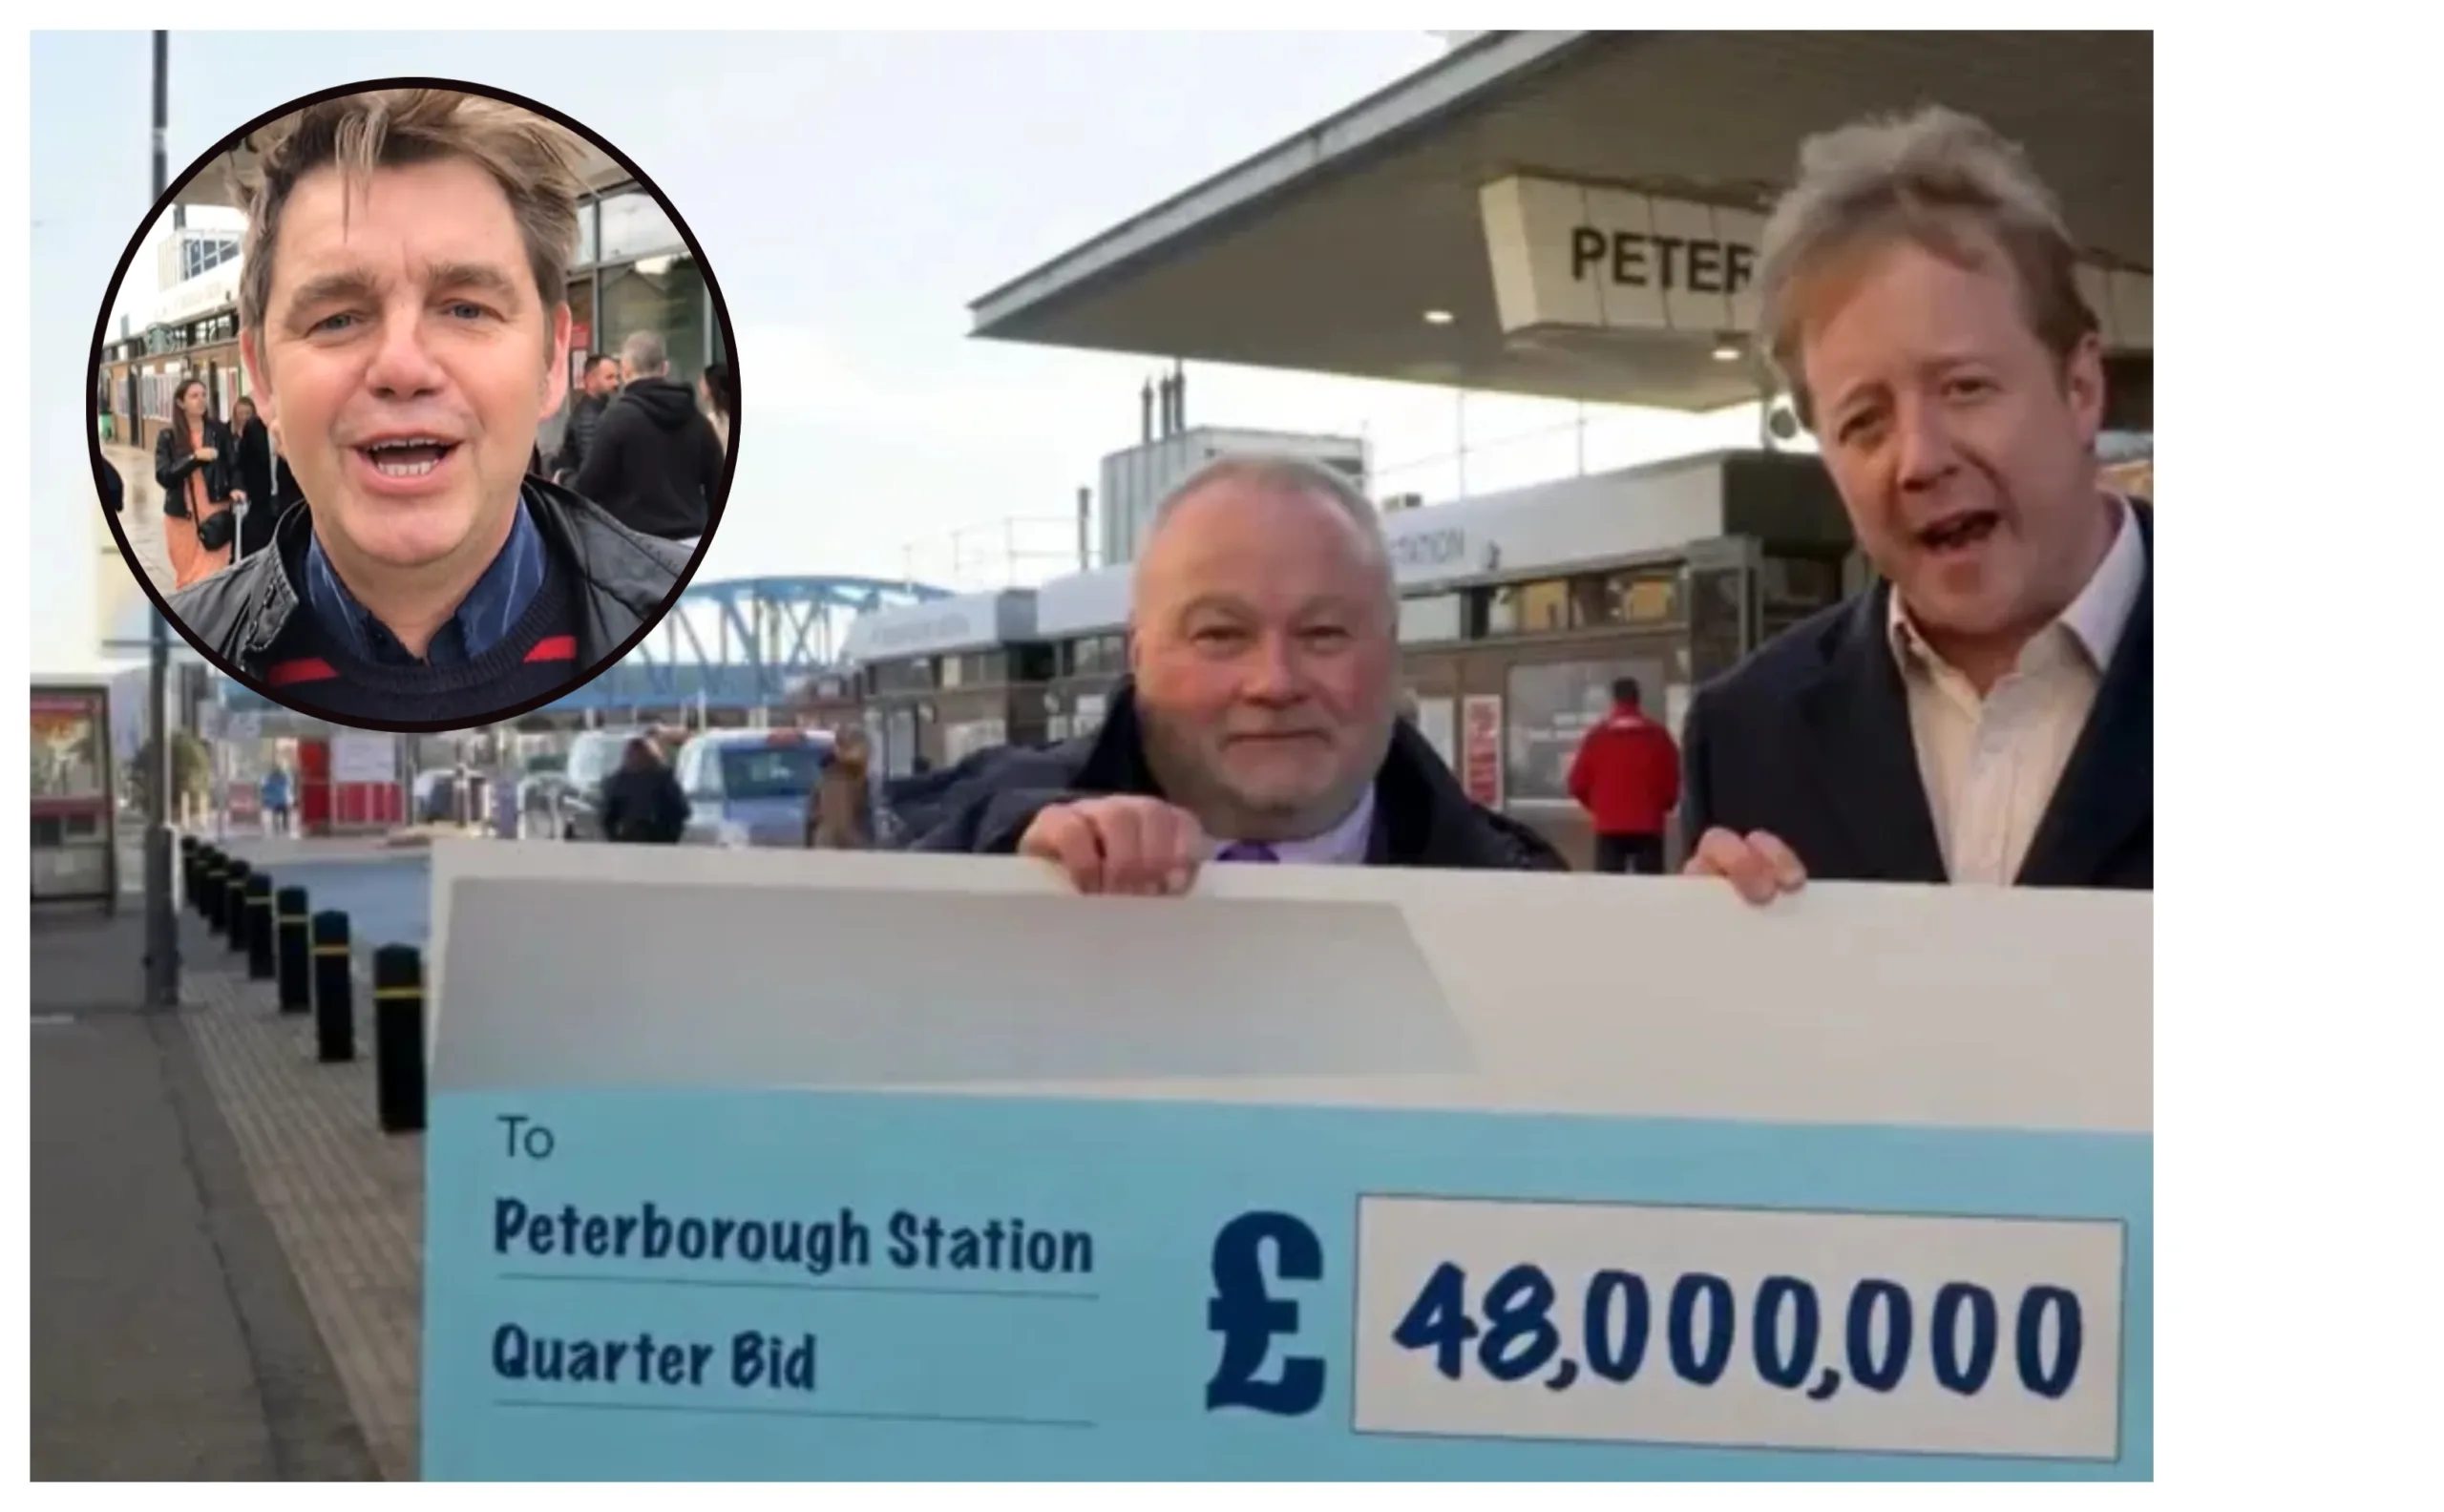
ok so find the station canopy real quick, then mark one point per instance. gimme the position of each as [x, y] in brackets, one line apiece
[1572, 214]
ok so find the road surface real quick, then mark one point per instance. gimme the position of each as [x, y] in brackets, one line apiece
[386, 895]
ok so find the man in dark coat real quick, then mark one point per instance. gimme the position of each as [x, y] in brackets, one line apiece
[641, 802]
[654, 462]
[1259, 719]
[1986, 713]
[602, 383]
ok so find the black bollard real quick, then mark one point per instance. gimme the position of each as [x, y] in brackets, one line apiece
[242, 913]
[231, 916]
[296, 950]
[188, 855]
[334, 991]
[398, 1037]
[206, 895]
[263, 943]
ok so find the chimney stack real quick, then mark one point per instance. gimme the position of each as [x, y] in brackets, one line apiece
[1146, 411]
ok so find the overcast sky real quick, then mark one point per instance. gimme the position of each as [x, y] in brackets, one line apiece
[852, 193]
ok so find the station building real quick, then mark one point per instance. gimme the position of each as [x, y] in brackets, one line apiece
[1566, 214]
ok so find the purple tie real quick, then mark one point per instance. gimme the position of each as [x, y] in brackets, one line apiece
[1247, 851]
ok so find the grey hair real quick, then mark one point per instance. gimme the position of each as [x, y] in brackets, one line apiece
[1290, 473]
[1928, 179]
[644, 352]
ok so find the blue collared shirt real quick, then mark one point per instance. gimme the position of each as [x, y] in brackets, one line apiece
[484, 619]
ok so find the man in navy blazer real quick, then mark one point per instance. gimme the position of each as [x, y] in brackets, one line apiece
[1986, 713]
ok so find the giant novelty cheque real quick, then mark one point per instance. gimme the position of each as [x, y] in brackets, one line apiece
[781, 1166]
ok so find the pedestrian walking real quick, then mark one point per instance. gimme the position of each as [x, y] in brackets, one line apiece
[601, 385]
[842, 815]
[1626, 776]
[655, 463]
[256, 488]
[275, 797]
[641, 803]
[192, 461]
[720, 389]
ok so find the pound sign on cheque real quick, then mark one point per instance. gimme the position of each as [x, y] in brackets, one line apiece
[1250, 1317]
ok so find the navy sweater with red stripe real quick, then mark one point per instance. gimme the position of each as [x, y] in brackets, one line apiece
[311, 669]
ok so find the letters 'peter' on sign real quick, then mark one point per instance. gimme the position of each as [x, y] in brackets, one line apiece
[1573, 256]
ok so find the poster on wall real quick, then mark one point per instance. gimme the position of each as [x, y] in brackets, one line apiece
[1552, 707]
[1481, 749]
[67, 755]
[1438, 721]
[72, 840]
[362, 758]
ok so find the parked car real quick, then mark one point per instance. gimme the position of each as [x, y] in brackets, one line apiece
[751, 788]
[541, 781]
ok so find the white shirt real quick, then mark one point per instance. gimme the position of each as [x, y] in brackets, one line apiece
[1344, 844]
[1991, 764]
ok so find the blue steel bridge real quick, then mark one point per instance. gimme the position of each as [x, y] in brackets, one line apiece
[739, 643]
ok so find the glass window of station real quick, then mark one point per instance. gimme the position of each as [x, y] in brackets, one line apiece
[140, 372]
[200, 254]
[1002, 667]
[633, 272]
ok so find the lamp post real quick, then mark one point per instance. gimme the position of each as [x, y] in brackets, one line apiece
[160, 909]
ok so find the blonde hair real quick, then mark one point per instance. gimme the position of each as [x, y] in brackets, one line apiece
[535, 162]
[1946, 181]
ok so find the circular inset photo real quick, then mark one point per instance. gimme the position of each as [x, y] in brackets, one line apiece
[433, 411]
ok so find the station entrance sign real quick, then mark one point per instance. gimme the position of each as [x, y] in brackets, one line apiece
[1573, 256]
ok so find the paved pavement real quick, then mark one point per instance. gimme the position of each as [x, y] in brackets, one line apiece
[345, 1200]
[170, 1340]
[141, 519]
[227, 1252]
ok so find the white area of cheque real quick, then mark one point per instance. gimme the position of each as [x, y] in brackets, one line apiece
[1952, 1007]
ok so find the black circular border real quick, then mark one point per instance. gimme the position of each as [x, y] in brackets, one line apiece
[169, 196]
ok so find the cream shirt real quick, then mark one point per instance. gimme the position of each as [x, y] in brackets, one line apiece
[1991, 764]
[1344, 844]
